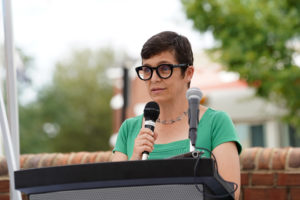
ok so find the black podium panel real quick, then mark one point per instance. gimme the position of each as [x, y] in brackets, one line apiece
[151, 192]
[150, 179]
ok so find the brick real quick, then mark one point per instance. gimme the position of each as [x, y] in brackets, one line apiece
[91, 157]
[54, 159]
[85, 158]
[241, 195]
[47, 160]
[248, 158]
[104, 156]
[3, 167]
[265, 193]
[288, 179]
[33, 161]
[99, 157]
[279, 158]
[61, 159]
[25, 197]
[295, 193]
[76, 159]
[265, 158]
[70, 158]
[26, 162]
[109, 156]
[4, 185]
[4, 196]
[22, 159]
[262, 179]
[294, 158]
[244, 179]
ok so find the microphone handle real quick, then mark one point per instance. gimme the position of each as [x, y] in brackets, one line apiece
[193, 113]
[193, 119]
[146, 153]
[151, 127]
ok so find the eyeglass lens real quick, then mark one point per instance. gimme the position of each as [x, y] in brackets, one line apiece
[164, 71]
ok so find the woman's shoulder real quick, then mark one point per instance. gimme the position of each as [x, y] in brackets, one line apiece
[133, 121]
[216, 118]
[216, 114]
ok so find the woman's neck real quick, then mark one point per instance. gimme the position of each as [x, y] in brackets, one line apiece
[172, 109]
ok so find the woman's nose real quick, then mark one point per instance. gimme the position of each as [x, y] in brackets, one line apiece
[155, 76]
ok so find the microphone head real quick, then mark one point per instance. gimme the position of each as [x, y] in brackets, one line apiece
[151, 111]
[194, 93]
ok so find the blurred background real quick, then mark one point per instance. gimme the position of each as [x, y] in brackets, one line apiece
[75, 67]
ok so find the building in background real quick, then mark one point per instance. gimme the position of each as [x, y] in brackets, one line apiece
[257, 122]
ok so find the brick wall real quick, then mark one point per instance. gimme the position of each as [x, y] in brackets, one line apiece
[266, 173]
[28, 161]
[270, 173]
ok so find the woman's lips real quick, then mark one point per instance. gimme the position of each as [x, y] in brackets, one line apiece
[157, 90]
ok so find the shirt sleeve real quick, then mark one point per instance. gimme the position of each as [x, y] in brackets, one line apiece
[121, 144]
[223, 130]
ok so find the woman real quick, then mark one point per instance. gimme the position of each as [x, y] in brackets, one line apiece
[167, 69]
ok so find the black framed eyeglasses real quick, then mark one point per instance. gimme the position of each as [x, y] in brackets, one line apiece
[164, 71]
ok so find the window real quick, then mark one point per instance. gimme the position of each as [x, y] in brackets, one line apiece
[257, 135]
[251, 135]
[294, 137]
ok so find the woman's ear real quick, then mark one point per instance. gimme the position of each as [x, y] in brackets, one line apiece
[189, 73]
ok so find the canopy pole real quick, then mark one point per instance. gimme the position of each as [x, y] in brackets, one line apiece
[9, 152]
[11, 84]
[11, 141]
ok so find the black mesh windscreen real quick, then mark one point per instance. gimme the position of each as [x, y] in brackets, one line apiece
[152, 192]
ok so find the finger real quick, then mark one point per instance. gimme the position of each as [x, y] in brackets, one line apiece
[146, 131]
[147, 137]
[147, 148]
[142, 142]
[155, 135]
[148, 143]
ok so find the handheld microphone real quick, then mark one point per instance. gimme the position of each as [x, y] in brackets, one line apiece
[194, 95]
[151, 113]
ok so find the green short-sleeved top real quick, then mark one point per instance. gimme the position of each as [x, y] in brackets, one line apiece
[215, 128]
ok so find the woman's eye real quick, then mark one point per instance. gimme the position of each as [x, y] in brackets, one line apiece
[146, 70]
[164, 68]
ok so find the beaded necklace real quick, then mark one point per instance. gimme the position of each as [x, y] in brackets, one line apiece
[171, 121]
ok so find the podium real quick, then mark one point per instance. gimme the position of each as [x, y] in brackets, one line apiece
[151, 179]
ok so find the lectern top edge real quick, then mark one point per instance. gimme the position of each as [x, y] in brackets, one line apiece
[120, 174]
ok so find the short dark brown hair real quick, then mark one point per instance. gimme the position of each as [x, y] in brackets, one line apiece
[169, 41]
[173, 42]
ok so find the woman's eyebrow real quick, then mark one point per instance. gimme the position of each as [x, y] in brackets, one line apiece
[159, 63]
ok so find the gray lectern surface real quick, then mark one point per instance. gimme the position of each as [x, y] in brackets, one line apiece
[151, 179]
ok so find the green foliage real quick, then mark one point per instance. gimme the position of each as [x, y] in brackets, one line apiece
[73, 113]
[257, 39]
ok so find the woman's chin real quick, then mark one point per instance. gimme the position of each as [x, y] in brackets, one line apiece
[159, 99]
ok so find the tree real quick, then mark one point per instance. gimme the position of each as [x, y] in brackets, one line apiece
[72, 113]
[259, 40]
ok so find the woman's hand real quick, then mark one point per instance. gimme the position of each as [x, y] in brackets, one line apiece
[143, 142]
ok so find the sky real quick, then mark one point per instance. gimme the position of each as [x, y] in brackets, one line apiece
[47, 30]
